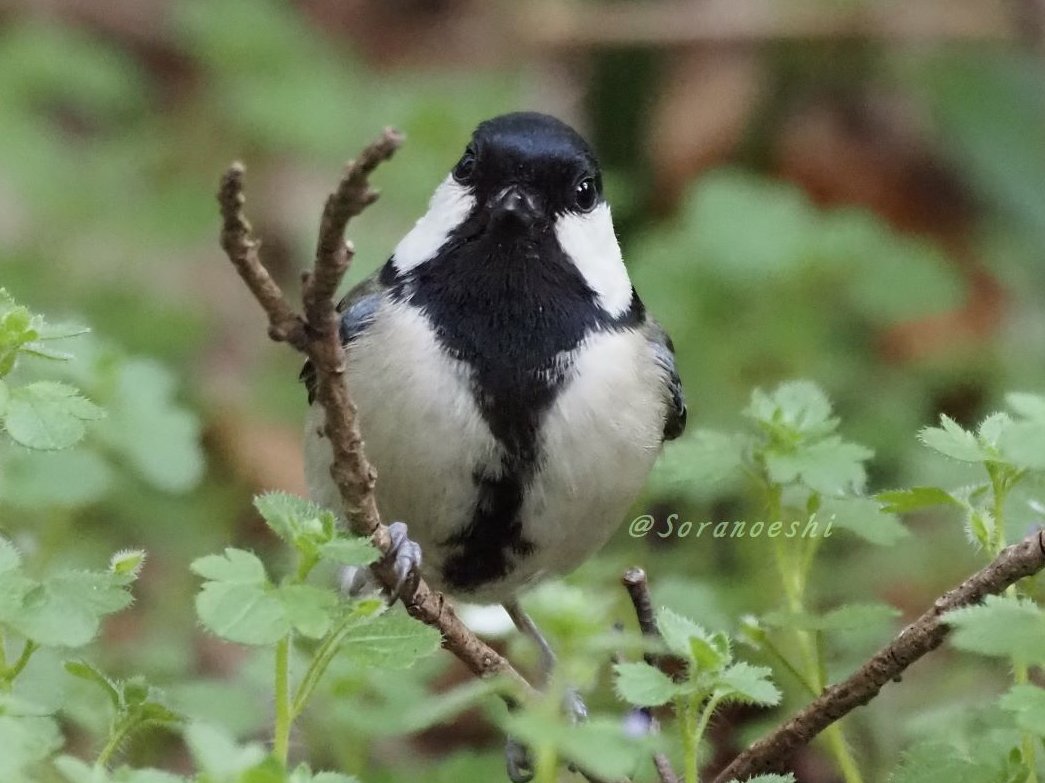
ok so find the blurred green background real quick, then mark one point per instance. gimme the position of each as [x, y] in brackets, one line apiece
[847, 191]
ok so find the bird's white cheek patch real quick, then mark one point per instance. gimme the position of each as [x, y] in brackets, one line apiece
[449, 206]
[591, 244]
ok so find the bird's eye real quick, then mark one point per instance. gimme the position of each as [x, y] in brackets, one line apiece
[465, 167]
[586, 195]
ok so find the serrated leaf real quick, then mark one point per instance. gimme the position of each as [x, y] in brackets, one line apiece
[292, 517]
[860, 515]
[217, 753]
[54, 479]
[831, 466]
[903, 501]
[242, 612]
[48, 415]
[771, 778]
[128, 563]
[992, 427]
[1000, 626]
[937, 762]
[391, 641]
[748, 684]
[65, 610]
[846, 617]
[952, 441]
[10, 558]
[309, 609]
[350, 551]
[236, 566]
[302, 774]
[26, 741]
[1030, 406]
[1028, 703]
[698, 461]
[800, 406]
[86, 671]
[643, 685]
[157, 437]
[679, 632]
[1023, 444]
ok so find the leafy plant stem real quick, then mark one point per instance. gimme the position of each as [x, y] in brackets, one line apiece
[10, 674]
[321, 659]
[546, 765]
[705, 718]
[121, 728]
[284, 713]
[684, 710]
[784, 661]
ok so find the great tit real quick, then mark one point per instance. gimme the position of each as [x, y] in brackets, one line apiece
[512, 390]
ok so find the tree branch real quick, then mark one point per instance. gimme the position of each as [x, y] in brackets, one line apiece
[316, 334]
[634, 581]
[926, 633]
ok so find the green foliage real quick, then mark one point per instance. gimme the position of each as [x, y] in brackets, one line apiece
[1002, 626]
[712, 677]
[43, 414]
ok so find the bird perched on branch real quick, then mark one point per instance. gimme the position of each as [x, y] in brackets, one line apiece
[512, 390]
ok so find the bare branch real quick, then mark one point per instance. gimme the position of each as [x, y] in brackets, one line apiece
[771, 753]
[634, 581]
[317, 336]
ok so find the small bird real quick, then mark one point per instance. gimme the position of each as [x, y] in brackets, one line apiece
[512, 391]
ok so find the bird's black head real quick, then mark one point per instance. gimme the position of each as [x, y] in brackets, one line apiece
[527, 168]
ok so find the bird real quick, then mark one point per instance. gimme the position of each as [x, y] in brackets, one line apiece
[512, 390]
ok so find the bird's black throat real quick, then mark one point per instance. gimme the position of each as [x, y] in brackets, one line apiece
[512, 306]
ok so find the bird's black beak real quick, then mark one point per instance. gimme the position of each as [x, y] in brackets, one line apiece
[514, 206]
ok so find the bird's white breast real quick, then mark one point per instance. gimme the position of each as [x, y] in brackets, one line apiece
[426, 437]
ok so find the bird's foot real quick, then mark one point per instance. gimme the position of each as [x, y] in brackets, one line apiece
[518, 761]
[574, 705]
[404, 554]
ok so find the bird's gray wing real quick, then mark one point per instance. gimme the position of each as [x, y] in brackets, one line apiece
[664, 355]
[357, 308]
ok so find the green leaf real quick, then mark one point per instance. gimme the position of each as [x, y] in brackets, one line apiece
[390, 641]
[235, 566]
[237, 602]
[350, 551]
[748, 684]
[844, 618]
[1000, 626]
[690, 641]
[217, 753]
[159, 438]
[293, 518]
[772, 778]
[48, 415]
[86, 671]
[128, 563]
[800, 406]
[66, 609]
[937, 762]
[10, 559]
[309, 609]
[302, 774]
[26, 741]
[244, 613]
[54, 479]
[1023, 444]
[903, 501]
[698, 461]
[952, 441]
[1029, 406]
[643, 685]
[863, 516]
[1028, 703]
[830, 466]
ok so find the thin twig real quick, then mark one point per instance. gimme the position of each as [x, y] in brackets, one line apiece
[316, 335]
[772, 753]
[634, 581]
